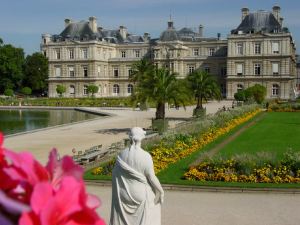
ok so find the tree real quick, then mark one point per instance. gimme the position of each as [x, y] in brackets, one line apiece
[36, 72]
[258, 92]
[92, 89]
[204, 87]
[11, 66]
[26, 91]
[157, 85]
[60, 89]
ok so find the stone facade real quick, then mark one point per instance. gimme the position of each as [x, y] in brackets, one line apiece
[262, 52]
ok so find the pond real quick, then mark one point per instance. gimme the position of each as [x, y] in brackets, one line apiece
[15, 121]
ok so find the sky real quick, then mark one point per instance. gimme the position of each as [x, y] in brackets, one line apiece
[22, 22]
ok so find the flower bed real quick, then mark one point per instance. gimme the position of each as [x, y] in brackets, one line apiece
[163, 156]
[175, 146]
[250, 169]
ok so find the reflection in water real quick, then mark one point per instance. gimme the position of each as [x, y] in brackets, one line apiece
[14, 121]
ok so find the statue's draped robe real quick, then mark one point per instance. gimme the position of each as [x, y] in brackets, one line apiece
[132, 198]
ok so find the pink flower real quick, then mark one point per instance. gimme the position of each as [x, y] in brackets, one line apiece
[58, 169]
[54, 194]
[67, 205]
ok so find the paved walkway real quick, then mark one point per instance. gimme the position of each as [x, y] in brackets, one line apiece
[103, 131]
[221, 208]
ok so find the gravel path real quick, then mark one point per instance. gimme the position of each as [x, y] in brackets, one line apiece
[221, 208]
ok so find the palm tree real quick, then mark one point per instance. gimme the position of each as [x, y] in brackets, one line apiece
[204, 87]
[157, 85]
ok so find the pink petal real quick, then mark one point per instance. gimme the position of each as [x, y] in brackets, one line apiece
[65, 202]
[65, 167]
[92, 201]
[29, 219]
[41, 195]
[30, 168]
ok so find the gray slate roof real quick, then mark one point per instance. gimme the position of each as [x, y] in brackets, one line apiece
[78, 30]
[82, 31]
[258, 21]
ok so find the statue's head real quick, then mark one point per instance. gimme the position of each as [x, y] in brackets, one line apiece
[137, 134]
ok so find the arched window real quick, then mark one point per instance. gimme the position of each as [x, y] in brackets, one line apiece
[72, 90]
[129, 88]
[85, 90]
[240, 87]
[275, 90]
[116, 89]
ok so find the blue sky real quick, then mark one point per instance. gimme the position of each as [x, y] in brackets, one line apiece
[23, 21]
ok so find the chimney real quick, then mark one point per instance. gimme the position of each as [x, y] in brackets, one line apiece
[201, 30]
[219, 36]
[93, 24]
[123, 32]
[245, 12]
[281, 21]
[146, 37]
[170, 24]
[276, 12]
[67, 22]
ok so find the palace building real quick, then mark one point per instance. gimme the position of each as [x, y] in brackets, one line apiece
[259, 51]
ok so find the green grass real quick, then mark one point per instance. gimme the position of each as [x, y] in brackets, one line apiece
[276, 132]
[173, 174]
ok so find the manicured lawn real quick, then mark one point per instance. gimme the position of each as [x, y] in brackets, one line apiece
[276, 132]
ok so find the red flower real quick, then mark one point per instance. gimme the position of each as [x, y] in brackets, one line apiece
[67, 205]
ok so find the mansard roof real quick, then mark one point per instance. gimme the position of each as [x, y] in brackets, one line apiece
[82, 31]
[77, 30]
[260, 21]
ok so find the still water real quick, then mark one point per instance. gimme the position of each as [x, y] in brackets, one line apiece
[15, 121]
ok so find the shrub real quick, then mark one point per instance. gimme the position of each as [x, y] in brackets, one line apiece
[26, 91]
[8, 92]
[92, 89]
[60, 89]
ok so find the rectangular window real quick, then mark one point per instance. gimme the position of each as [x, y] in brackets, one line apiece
[57, 71]
[211, 51]
[71, 71]
[116, 72]
[207, 69]
[239, 48]
[129, 72]
[257, 48]
[98, 70]
[223, 71]
[257, 69]
[275, 47]
[239, 69]
[85, 53]
[123, 54]
[57, 53]
[191, 68]
[196, 52]
[275, 68]
[71, 53]
[85, 71]
[137, 53]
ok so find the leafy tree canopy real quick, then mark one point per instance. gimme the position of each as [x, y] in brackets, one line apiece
[11, 66]
[36, 72]
[92, 89]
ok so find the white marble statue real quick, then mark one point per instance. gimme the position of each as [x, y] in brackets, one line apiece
[136, 192]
